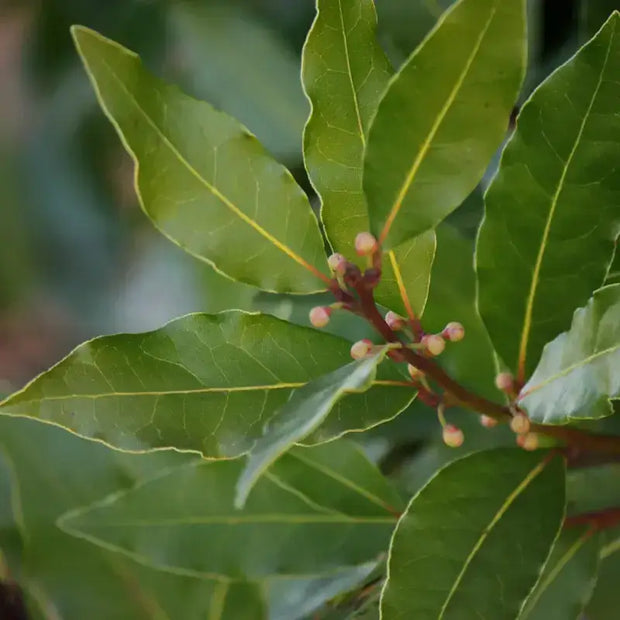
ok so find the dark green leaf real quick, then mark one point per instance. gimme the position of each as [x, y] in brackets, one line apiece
[53, 471]
[578, 371]
[203, 179]
[566, 584]
[606, 597]
[344, 73]
[485, 522]
[185, 521]
[307, 409]
[551, 213]
[443, 116]
[206, 383]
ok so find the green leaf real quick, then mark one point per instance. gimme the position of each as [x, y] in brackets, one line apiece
[547, 238]
[203, 179]
[443, 116]
[206, 383]
[568, 579]
[52, 472]
[606, 597]
[344, 73]
[578, 371]
[339, 475]
[485, 522]
[80, 580]
[292, 599]
[186, 522]
[307, 409]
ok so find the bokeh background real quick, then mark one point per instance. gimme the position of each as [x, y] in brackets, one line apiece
[77, 258]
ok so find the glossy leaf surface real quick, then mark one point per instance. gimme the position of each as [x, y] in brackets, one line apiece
[203, 179]
[344, 73]
[206, 383]
[185, 521]
[485, 521]
[568, 579]
[443, 116]
[552, 213]
[578, 371]
[308, 407]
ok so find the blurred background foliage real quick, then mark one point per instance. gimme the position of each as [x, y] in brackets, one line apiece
[78, 259]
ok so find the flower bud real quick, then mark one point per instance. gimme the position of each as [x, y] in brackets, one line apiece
[453, 331]
[505, 382]
[528, 442]
[520, 424]
[434, 344]
[319, 316]
[487, 421]
[337, 263]
[365, 244]
[453, 436]
[361, 349]
[415, 373]
[394, 321]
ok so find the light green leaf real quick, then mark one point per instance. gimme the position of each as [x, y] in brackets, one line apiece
[485, 522]
[568, 579]
[205, 383]
[578, 371]
[344, 73]
[443, 116]
[308, 407]
[203, 179]
[552, 214]
[186, 522]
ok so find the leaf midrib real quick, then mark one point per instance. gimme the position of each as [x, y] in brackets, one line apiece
[487, 530]
[529, 308]
[206, 390]
[281, 518]
[566, 371]
[345, 44]
[433, 131]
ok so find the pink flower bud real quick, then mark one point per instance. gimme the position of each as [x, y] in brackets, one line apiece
[365, 244]
[520, 424]
[434, 344]
[487, 421]
[319, 316]
[394, 321]
[528, 442]
[453, 331]
[361, 349]
[337, 263]
[414, 373]
[453, 436]
[505, 382]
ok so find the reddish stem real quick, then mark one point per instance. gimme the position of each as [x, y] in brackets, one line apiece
[598, 520]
